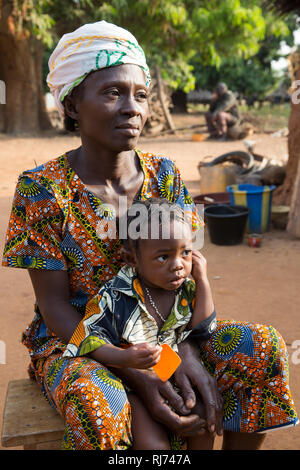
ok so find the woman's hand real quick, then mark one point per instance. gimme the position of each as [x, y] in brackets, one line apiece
[156, 394]
[159, 397]
[191, 373]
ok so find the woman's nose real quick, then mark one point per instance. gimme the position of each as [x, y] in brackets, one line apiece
[130, 106]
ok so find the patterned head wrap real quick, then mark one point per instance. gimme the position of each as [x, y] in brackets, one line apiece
[89, 48]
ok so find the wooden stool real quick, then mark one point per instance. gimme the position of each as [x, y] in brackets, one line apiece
[29, 420]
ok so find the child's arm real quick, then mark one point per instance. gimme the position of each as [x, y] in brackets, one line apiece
[97, 335]
[204, 305]
[139, 356]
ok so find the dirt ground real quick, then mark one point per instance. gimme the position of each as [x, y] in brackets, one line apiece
[255, 284]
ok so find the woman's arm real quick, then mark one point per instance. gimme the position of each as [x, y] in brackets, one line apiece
[52, 294]
[159, 397]
[192, 374]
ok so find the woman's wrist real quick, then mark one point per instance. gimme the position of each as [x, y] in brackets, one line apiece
[187, 348]
[134, 378]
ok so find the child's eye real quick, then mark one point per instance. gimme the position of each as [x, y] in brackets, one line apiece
[187, 252]
[162, 258]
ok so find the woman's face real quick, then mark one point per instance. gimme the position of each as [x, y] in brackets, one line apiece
[113, 107]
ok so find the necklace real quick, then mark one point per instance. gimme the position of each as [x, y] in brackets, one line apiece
[153, 304]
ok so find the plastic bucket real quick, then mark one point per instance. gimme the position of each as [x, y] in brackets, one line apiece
[226, 223]
[258, 199]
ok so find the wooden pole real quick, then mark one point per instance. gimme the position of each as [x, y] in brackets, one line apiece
[161, 96]
[293, 226]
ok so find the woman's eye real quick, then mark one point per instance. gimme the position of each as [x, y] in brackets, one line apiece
[113, 93]
[142, 96]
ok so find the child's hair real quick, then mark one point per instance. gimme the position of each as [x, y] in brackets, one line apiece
[156, 209]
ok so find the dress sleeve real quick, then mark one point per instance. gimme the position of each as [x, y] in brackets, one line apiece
[183, 198]
[172, 187]
[97, 328]
[34, 234]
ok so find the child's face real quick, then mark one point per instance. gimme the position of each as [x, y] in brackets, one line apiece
[166, 263]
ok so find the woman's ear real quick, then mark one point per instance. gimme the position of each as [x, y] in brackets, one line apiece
[129, 257]
[70, 108]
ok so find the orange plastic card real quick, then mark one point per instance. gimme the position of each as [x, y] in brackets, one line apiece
[168, 363]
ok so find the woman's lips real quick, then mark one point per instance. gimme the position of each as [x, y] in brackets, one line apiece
[129, 131]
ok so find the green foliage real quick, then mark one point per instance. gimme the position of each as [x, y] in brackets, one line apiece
[172, 32]
[251, 76]
[31, 16]
[247, 77]
[181, 36]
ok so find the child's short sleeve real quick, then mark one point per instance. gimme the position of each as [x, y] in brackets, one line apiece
[34, 231]
[97, 328]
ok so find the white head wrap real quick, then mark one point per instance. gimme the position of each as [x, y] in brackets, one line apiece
[91, 47]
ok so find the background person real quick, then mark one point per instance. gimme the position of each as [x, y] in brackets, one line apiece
[223, 112]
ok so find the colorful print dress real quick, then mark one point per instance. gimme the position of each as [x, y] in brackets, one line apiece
[54, 225]
[118, 315]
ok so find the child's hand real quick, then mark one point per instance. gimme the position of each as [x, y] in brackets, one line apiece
[199, 269]
[142, 356]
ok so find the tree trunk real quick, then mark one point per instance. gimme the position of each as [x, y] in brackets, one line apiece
[293, 226]
[21, 70]
[2, 101]
[283, 194]
[162, 99]
[159, 119]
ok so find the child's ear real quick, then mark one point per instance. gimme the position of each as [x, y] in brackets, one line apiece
[129, 257]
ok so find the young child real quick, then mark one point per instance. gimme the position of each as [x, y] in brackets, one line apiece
[150, 302]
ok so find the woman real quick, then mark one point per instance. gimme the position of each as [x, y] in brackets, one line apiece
[100, 81]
